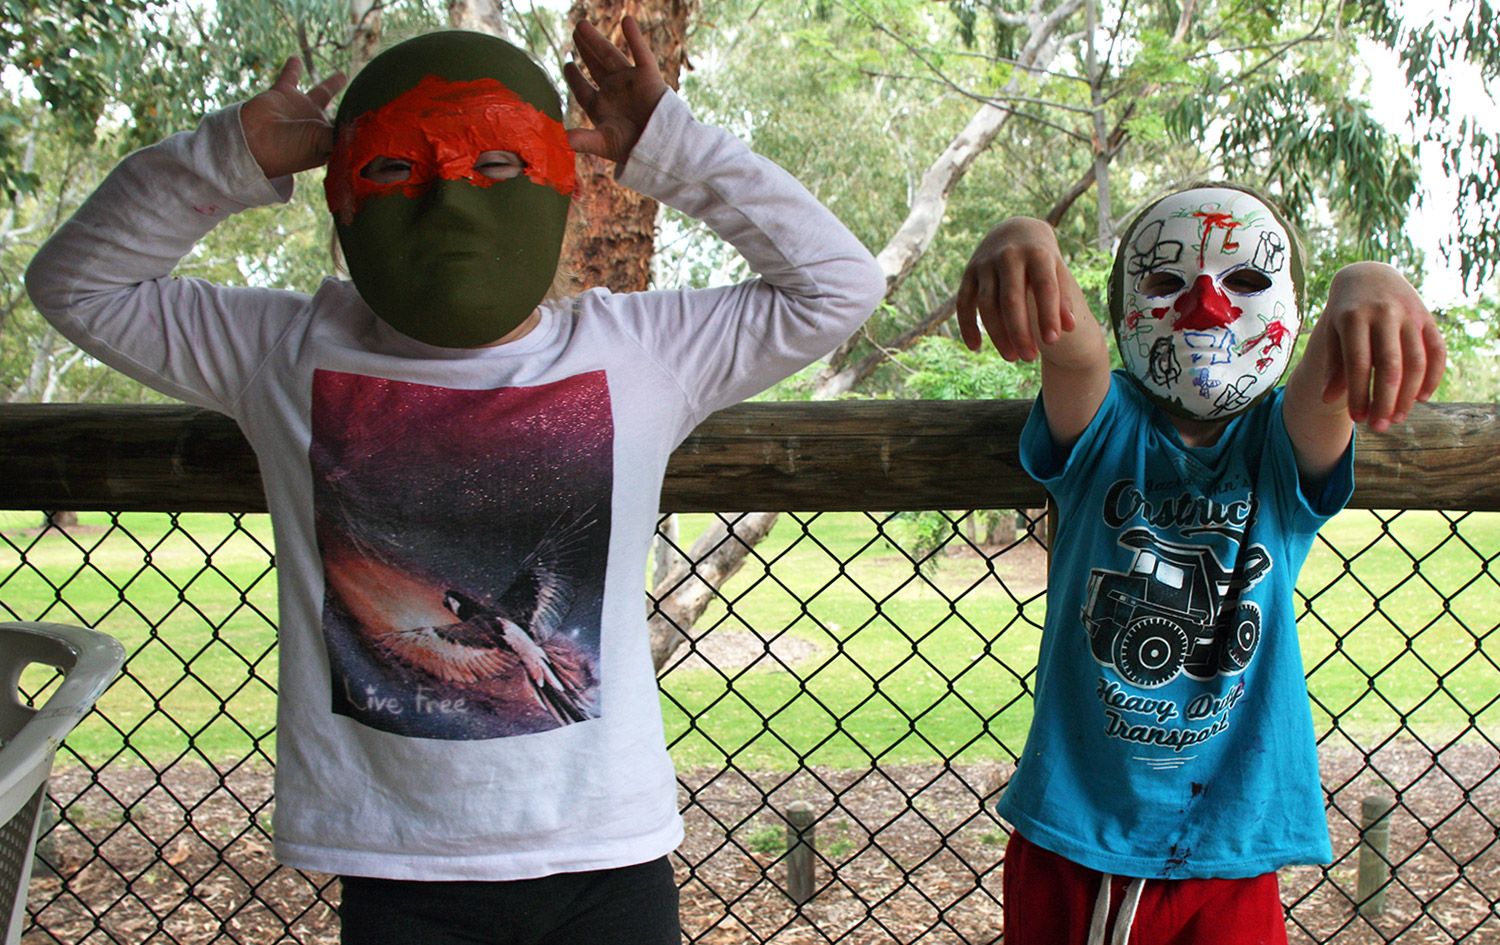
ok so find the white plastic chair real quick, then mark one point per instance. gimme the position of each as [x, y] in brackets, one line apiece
[89, 661]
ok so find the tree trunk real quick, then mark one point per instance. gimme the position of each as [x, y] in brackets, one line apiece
[666, 549]
[481, 16]
[1000, 527]
[613, 239]
[913, 237]
[686, 591]
[614, 229]
[364, 32]
[1105, 215]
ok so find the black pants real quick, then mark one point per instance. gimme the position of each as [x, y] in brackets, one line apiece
[632, 905]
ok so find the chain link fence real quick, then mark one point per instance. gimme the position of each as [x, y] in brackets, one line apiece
[862, 686]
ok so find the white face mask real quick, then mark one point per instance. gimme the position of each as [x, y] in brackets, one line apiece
[1205, 301]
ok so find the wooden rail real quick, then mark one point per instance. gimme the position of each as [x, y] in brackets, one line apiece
[874, 455]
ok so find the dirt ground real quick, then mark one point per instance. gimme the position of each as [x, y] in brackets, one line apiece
[907, 855]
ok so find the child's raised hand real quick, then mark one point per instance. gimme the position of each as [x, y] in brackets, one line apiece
[1017, 284]
[287, 130]
[620, 99]
[1383, 349]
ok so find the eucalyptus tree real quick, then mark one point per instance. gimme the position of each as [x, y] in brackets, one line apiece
[1428, 48]
[922, 125]
[1261, 93]
[134, 73]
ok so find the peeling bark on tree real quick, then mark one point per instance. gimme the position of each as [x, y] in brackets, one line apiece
[481, 16]
[614, 229]
[364, 32]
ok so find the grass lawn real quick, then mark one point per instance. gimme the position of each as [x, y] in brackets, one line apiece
[897, 664]
[907, 667]
[1404, 637]
[192, 598]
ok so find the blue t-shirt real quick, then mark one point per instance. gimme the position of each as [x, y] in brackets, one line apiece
[1173, 736]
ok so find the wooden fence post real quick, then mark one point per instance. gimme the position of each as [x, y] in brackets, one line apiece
[1374, 854]
[800, 846]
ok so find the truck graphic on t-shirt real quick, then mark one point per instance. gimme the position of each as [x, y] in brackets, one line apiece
[1177, 610]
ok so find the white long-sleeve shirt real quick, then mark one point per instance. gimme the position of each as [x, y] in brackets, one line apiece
[415, 740]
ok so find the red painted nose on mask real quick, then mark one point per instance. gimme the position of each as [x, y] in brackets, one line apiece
[1204, 306]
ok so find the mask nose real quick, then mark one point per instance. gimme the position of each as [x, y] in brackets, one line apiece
[1204, 306]
[448, 196]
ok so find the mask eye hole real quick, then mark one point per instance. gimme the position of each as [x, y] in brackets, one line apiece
[386, 170]
[1247, 281]
[1161, 282]
[499, 165]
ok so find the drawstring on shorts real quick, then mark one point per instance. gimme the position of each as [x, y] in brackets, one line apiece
[1124, 920]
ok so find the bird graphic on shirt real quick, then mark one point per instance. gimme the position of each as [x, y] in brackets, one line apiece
[520, 628]
[548, 682]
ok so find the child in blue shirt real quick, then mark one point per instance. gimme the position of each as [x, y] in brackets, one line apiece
[1171, 766]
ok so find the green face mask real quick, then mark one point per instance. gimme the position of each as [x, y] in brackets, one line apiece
[440, 241]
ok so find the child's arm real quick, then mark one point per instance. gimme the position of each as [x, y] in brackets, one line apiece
[814, 282]
[1019, 287]
[102, 279]
[1375, 351]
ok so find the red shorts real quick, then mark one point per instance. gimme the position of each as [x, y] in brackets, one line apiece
[1050, 900]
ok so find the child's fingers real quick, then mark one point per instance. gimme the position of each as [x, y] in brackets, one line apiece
[1046, 296]
[323, 93]
[995, 303]
[1014, 308]
[588, 141]
[583, 90]
[968, 322]
[593, 48]
[1051, 284]
[640, 50]
[1392, 372]
[314, 142]
[602, 57]
[1354, 353]
[1335, 382]
[1437, 360]
[1065, 306]
[1413, 355]
[584, 140]
[289, 76]
[968, 331]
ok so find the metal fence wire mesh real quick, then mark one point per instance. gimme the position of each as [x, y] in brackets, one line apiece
[863, 684]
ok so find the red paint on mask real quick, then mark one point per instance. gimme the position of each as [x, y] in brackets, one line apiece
[1212, 221]
[441, 128]
[1275, 336]
[1204, 306]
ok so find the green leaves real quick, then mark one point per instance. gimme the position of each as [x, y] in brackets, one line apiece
[1432, 53]
[1308, 140]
